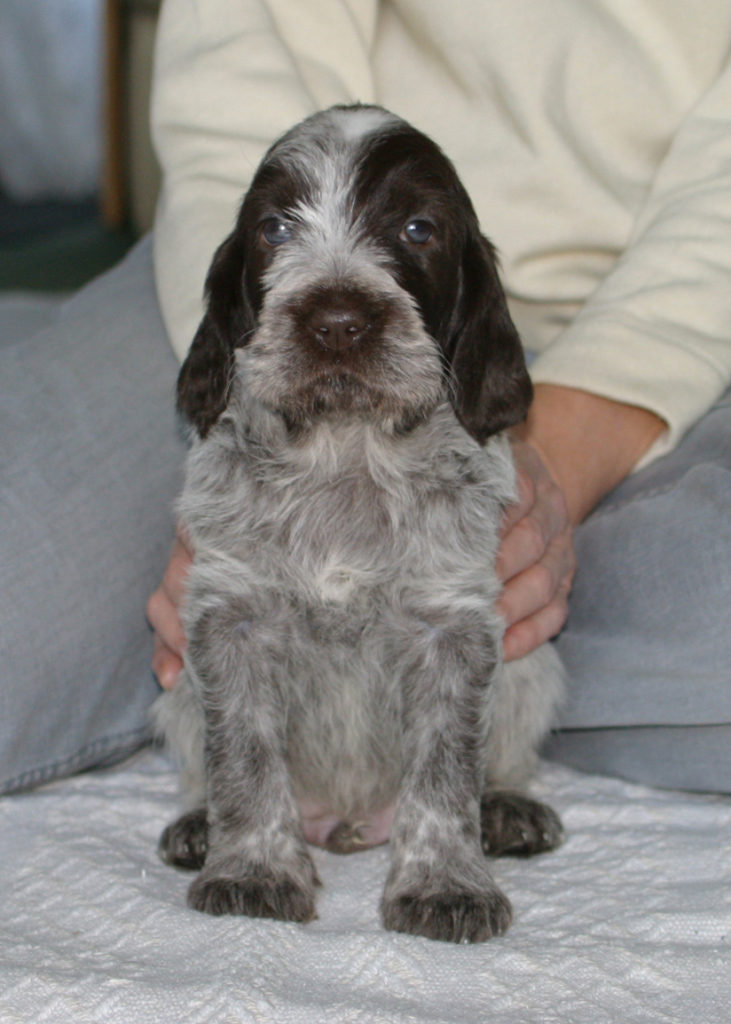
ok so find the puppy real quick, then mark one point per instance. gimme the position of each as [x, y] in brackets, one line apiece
[343, 683]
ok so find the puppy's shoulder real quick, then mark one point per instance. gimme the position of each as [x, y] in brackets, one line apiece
[479, 470]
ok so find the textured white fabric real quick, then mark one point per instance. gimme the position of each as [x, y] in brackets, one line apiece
[630, 921]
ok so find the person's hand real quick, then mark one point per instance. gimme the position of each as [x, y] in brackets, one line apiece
[163, 613]
[573, 448]
[536, 561]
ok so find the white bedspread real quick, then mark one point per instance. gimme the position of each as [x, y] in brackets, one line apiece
[629, 921]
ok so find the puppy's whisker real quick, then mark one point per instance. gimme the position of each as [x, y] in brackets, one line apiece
[451, 384]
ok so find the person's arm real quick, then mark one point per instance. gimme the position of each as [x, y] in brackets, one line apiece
[655, 332]
[588, 443]
[646, 356]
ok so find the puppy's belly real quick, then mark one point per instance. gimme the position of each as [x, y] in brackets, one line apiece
[344, 768]
[343, 735]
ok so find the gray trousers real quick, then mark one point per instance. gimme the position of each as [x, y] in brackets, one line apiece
[90, 463]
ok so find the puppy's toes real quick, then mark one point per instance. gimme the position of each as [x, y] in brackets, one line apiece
[449, 917]
[184, 844]
[345, 838]
[511, 823]
[260, 895]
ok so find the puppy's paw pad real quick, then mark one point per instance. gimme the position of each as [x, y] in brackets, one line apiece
[450, 917]
[254, 896]
[184, 844]
[513, 824]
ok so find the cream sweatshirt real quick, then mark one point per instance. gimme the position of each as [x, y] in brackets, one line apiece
[594, 137]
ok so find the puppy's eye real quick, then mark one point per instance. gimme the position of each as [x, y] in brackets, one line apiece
[419, 232]
[275, 231]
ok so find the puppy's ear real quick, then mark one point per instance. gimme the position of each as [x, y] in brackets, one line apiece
[493, 389]
[205, 376]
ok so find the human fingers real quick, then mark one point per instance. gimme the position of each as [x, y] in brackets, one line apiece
[166, 664]
[530, 525]
[163, 613]
[167, 657]
[529, 633]
[524, 501]
[536, 559]
[175, 578]
[541, 582]
[164, 616]
[527, 541]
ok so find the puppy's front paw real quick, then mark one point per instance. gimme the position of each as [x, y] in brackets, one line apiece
[449, 916]
[184, 844]
[511, 823]
[258, 894]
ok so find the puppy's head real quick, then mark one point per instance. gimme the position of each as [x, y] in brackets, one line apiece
[356, 281]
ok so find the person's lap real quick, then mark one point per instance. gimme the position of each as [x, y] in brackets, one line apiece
[647, 645]
[89, 468]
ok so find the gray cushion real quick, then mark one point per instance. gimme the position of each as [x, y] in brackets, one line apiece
[89, 466]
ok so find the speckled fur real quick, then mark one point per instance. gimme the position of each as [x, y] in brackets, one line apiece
[343, 646]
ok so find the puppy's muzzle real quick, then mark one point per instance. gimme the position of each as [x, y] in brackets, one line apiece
[340, 320]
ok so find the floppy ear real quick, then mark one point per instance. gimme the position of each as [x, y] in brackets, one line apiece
[493, 389]
[205, 376]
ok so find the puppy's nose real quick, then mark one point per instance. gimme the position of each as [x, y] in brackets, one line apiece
[338, 328]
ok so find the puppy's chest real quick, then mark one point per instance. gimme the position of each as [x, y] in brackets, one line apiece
[352, 528]
[334, 539]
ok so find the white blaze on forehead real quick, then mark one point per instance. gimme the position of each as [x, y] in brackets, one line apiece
[332, 131]
[357, 122]
[326, 239]
[323, 147]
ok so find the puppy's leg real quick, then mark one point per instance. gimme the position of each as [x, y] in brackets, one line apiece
[523, 708]
[178, 719]
[439, 885]
[257, 862]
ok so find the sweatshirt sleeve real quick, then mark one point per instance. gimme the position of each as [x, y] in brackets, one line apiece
[229, 78]
[657, 330]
